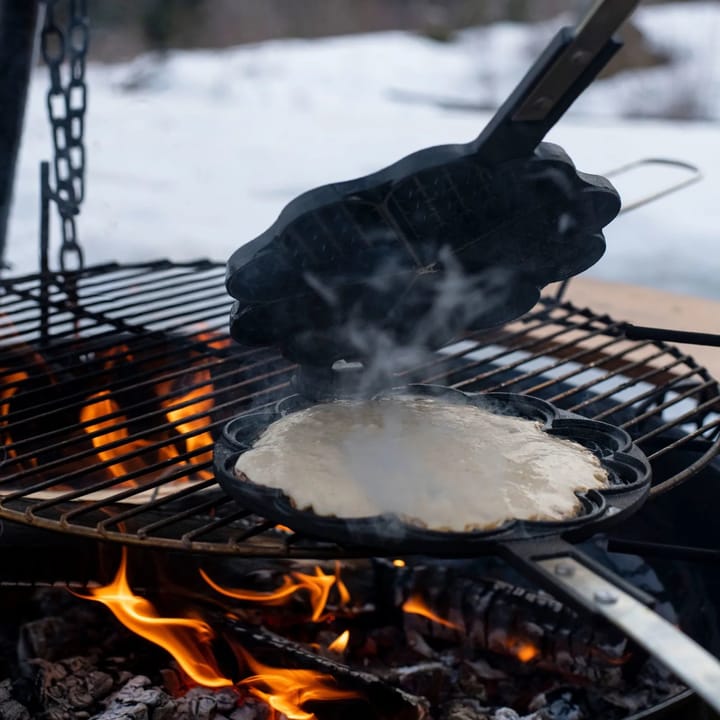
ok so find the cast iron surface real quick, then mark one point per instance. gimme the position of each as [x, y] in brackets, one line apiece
[627, 468]
[451, 238]
[414, 255]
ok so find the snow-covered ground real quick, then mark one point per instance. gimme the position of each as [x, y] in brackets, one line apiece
[195, 154]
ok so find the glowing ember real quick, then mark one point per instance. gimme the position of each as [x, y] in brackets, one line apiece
[187, 640]
[526, 652]
[317, 585]
[288, 690]
[415, 606]
[339, 644]
[399, 563]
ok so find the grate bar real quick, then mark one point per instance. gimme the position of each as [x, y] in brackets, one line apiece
[707, 406]
[693, 390]
[593, 365]
[631, 382]
[574, 357]
[79, 400]
[91, 453]
[534, 343]
[684, 440]
[184, 515]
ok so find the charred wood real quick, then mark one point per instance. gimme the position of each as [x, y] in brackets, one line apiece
[513, 621]
[390, 701]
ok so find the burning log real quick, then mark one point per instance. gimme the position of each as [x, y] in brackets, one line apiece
[390, 701]
[441, 605]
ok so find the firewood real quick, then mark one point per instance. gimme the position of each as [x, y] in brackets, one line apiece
[389, 701]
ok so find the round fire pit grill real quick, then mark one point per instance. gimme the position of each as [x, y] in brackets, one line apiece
[112, 405]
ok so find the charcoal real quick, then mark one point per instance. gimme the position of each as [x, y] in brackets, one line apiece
[251, 709]
[138, 699]
[506, 714]
[10, 708]
[496, 616]
[431, 680]
[465, 709]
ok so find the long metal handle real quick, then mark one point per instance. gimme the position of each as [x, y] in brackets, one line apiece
[589, 38]
[641, 332]
[671, 647]
[566, 67]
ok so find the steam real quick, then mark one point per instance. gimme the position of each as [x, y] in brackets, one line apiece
[438, 304]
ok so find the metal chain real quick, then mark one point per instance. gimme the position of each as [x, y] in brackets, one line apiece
[65, 54]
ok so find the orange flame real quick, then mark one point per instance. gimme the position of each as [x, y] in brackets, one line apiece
[339, 644]
[187, 640]
[112, 354]
[399, 563]
[288, 690]
[214, 339]
[343, 592]
[416, 606]
[10, 387]
[180, 411]
[101, 405]
[95, 413]
[317, 585]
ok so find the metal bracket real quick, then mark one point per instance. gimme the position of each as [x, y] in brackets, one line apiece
[695, 176]
[590, 36]
[665, 642]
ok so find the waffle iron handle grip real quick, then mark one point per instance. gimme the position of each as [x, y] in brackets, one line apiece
[576, 578]
[568, 65]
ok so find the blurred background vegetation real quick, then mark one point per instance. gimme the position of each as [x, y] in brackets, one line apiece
[122, 30]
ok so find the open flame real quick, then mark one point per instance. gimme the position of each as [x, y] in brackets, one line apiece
[415, 605]
[182, 412]
[10, 386]
[148, 420]
[102, 413]
[339, 644]
[318, 586]
[288, 690]
[188, 640]
[188, 412]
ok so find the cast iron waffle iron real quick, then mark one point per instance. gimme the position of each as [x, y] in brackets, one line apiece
[450, 238]
[453, 238]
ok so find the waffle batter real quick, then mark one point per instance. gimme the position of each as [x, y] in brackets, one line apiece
[441, 465]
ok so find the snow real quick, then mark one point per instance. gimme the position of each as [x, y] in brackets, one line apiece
[194, 154]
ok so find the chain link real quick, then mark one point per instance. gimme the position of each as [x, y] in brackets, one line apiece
[65, 54]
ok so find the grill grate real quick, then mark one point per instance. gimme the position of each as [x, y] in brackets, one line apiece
[145, 352]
